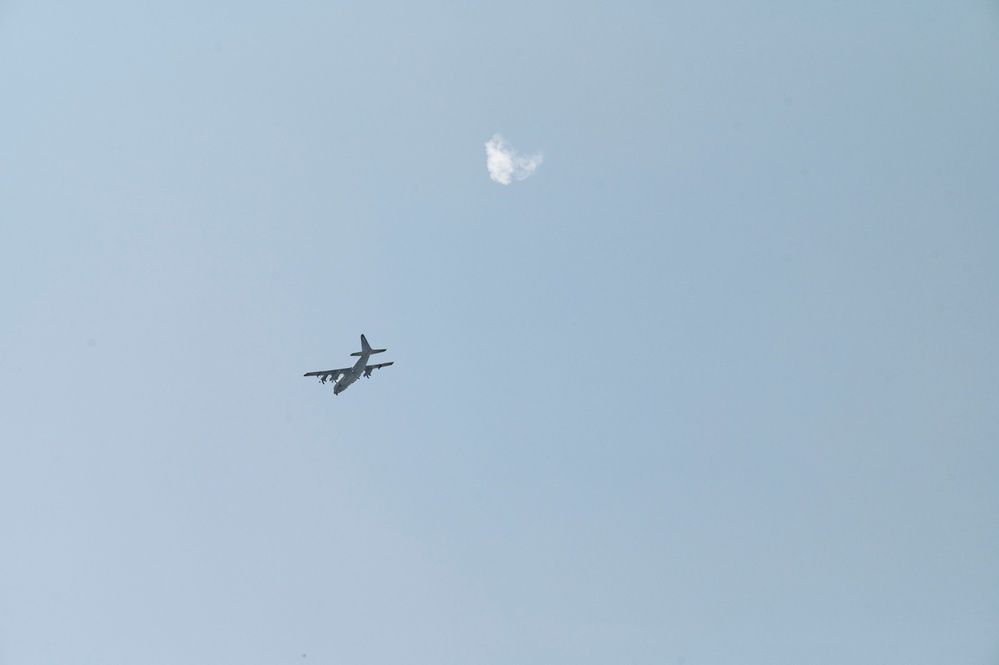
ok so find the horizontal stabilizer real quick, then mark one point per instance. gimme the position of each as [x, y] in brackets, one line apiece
[366, 348]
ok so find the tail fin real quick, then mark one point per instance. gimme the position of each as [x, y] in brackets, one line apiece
[366, 348]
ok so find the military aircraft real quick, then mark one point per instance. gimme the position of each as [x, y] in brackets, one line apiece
[344, 377]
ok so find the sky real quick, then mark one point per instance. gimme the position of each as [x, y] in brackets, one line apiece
[705, 372]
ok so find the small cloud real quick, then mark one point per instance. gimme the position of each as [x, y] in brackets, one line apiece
[505, 163]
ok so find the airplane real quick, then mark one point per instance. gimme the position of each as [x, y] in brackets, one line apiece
[344, 377]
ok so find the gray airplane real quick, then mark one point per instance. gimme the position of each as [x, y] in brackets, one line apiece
[344, 377]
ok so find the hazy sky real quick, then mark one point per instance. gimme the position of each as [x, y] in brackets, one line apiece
[717, 383]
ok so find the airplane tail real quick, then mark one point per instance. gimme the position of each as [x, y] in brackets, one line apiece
[366, 348]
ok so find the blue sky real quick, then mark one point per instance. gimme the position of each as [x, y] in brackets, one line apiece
[717, 383]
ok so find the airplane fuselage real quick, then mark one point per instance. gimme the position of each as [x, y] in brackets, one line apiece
[353, 375]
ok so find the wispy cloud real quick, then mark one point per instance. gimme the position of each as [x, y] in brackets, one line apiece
[505, 163]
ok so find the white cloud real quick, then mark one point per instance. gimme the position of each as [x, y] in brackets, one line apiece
[505, 163]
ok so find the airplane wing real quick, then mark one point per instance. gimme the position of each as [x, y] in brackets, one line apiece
[369, 368]
[329, 375]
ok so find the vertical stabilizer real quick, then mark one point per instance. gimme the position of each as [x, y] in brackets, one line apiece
[366, 348]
